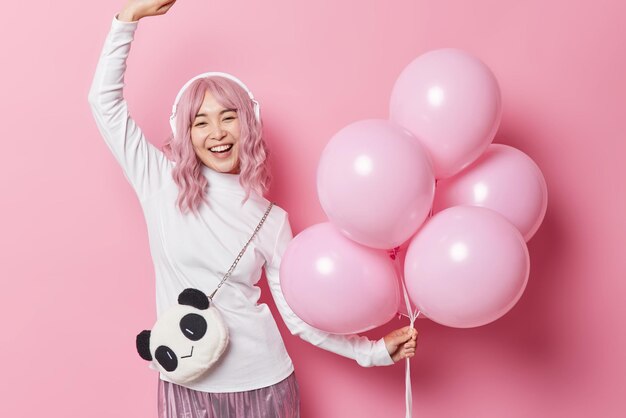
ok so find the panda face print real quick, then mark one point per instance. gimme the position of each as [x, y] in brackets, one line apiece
[194, 327]
[185, 341]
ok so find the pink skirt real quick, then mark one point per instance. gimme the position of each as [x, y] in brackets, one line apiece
[280, 400]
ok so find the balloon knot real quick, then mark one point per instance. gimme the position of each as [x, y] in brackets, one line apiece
[393, 252]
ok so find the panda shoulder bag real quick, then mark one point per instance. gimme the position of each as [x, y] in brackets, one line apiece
[188, 338]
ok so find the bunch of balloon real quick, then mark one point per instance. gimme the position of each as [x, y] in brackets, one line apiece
[424, 210]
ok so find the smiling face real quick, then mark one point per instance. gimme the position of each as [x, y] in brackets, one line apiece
[215, 126]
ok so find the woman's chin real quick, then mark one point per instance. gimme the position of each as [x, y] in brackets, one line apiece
[226, 168]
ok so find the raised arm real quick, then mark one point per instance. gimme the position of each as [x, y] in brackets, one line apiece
[143, 164]
[366, 352]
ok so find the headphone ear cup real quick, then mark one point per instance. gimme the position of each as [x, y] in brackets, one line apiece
[173, 124]
[257, 110]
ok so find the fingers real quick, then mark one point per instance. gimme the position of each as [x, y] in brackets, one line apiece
[404, 353]
[406, 349]
[398, 336]
[164, 3]
[406, 334]
[401, 342]
[409, 348]
[401, 331]
[165, 6]
[404, 329]
[410, 344]
[164, 9]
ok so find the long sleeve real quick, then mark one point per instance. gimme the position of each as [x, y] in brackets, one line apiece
[142, 163]
[367, 353]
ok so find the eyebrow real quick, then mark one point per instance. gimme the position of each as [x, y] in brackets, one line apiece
[223, 111]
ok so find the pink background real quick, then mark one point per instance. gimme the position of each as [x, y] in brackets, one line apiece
[77, 278]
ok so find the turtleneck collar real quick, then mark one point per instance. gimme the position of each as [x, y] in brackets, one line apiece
[218, 178]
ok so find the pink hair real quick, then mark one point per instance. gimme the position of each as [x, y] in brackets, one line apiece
[253, 152]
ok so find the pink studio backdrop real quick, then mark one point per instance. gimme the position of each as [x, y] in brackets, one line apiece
[77, 278]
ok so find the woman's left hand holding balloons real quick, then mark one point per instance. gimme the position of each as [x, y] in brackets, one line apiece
[401, 343]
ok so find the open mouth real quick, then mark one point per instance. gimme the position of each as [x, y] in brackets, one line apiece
[221, 149]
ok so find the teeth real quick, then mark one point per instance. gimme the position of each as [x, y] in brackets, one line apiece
[221, 147]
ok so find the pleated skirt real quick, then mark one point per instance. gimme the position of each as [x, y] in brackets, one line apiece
[280, 400]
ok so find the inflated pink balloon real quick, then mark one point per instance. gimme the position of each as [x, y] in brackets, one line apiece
[503, 179]
[450, 100]
[337, 285]
[466, 267]
[375, 183]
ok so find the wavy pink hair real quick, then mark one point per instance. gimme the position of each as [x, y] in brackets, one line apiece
[253, 152]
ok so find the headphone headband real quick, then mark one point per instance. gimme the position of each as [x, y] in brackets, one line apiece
[257, 110]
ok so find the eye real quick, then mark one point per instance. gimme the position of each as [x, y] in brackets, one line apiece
[193, 326]
[201, 123]
[166, 358]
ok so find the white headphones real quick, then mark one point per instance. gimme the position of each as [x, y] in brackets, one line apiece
[257, 109]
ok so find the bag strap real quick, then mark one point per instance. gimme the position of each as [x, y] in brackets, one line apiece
[227, 275]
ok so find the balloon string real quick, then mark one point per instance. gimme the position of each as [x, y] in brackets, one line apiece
[412, 316]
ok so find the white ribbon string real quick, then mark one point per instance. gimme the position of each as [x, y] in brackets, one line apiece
[409, 393]
[412, 316]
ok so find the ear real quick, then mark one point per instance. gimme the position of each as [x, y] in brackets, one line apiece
[143, 345]
[194, 297]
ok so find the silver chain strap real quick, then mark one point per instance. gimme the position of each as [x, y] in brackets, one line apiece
[227, 275]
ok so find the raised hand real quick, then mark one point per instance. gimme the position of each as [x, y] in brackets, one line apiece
[137, 9]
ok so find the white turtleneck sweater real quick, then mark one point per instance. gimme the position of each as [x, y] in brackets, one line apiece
[197, 252]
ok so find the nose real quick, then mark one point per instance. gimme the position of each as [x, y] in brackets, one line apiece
[217, 133]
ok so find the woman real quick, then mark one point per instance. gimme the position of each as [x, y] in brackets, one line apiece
[202, 197]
